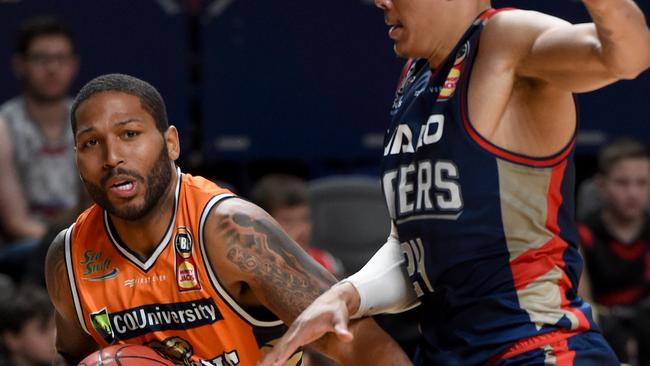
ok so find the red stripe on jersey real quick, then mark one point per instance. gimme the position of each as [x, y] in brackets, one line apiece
[563, 355]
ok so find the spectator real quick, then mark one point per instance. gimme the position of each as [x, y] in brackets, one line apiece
[27, 328]
[38, 179]
[616, 244]
[285, 198]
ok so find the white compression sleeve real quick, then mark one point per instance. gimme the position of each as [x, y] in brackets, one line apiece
[383, 284]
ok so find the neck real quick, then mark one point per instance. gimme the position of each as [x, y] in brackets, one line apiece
[457, 27]
[624, 229]
[142, 235]
[46, 112]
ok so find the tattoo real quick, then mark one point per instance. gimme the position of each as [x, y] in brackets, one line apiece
[289, 278]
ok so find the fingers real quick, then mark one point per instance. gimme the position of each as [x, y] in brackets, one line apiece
[341, 328]
[281, 352]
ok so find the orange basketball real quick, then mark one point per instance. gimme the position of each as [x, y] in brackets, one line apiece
[125, 355]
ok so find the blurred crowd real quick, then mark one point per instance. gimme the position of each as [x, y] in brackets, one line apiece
[40, 194]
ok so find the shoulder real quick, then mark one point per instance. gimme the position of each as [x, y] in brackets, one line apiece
[510, 34]
[56, 275]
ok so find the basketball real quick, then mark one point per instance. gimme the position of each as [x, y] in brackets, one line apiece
[125, 355]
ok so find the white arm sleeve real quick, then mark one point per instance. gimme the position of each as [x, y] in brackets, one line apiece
[383, 284]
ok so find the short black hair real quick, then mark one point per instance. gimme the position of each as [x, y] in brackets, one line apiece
[620, 149]
[279, 190]
[41, 25]
[150, 98]
[27, 303]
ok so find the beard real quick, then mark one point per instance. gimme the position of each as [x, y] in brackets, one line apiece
[157, 181]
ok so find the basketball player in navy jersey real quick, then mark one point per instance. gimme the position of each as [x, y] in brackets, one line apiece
[478, 178]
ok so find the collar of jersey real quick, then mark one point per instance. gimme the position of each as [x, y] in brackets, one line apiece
[145, 264]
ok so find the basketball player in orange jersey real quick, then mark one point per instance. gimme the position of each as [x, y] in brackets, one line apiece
[173, 261]
[478, 178]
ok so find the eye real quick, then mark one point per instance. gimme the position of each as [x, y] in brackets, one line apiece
[89, 143]
[130, 134]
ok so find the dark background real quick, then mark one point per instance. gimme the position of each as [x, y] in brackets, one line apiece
[258, 86]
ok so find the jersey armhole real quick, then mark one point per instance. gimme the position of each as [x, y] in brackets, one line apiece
[71, 278]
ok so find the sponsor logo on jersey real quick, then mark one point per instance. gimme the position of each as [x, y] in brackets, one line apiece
[180, 351]
[449, 86]
[147, 280]
[134, 322]
[96, 267]
[187, 276]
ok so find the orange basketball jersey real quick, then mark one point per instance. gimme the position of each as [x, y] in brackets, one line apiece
[171, 301]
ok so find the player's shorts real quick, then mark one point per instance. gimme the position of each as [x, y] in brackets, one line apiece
[584, 349]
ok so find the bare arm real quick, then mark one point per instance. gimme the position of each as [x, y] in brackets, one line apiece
[13, 208]
[72, 343]
[261, 265]
[575, 58]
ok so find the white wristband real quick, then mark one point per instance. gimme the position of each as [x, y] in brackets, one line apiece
[383, 284]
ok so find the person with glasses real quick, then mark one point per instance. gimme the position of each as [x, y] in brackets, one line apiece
[38, 180]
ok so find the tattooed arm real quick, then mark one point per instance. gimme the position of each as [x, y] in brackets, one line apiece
[261, 266]
[72, 343]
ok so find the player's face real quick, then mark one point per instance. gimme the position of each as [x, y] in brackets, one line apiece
[296, 221]
[48, 67]
[627, 187]
[414, 25]
[123, 160]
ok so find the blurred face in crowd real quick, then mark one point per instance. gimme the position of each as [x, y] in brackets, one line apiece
[296, 221]
[34, 344]
[627, 187]
[48, 67]
[124, 161]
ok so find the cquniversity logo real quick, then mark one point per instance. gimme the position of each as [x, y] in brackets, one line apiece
[102, 324]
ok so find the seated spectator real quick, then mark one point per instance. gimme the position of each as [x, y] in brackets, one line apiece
[616, 244]
[285, 198]
[27, 328]
[38, 180]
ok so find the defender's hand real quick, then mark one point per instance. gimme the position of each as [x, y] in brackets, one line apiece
[329, 313]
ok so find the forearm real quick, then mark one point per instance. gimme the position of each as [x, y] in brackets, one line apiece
[623, 34]
[370, 346]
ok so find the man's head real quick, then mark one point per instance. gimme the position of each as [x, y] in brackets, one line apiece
[422, 28]
[285, 198]
[27, 327]
[125, 147]
[44, 58]
[624, 178]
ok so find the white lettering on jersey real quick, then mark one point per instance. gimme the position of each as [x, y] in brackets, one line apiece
[414, 252]
[412, 187]
[401, 141]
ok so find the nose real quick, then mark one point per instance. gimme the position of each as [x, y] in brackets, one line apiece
[384, 4]
[113, 156]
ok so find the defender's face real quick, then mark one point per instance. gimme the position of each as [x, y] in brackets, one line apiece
[123, 160]
[48, 67]
[627, 187]
[414, 25]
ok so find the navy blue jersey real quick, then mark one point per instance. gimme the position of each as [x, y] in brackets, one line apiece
[488, 234]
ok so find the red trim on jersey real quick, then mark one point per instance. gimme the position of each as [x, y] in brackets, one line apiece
[546, 161]
[534, 342]
[405, 71]
[563, 355]
[536, 262]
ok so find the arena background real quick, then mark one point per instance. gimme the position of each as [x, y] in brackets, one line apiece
[259, 86]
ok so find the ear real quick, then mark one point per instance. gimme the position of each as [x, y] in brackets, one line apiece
[173, 143]
[18, 65]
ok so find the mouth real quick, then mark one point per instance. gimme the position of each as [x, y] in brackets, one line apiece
[123, 187]
[396, 29]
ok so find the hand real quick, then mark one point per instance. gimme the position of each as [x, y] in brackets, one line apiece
[329, 313]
